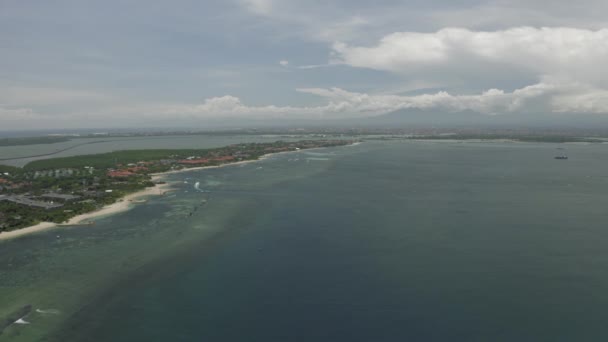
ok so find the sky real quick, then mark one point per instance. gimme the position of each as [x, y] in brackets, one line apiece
[79, 63]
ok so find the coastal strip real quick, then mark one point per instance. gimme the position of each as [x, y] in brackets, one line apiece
[121, 205]
[124, 203]
[135, 166]
[156, 176]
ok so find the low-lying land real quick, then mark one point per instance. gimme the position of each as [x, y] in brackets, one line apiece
[32, 140]
[56, 190]
[514, 137]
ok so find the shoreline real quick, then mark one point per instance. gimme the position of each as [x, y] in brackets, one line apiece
[156, 176]
[123, 204]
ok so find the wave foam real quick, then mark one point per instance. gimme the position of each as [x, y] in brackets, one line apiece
[21, 321]
[48, 311]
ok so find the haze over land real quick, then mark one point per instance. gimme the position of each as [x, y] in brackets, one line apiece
[237, 63]
[303, 170]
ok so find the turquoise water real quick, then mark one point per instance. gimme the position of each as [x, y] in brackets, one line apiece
[383, 241]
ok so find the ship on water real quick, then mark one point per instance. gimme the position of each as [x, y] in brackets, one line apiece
[561, 157]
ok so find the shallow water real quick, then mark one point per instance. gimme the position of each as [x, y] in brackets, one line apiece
[383, 241]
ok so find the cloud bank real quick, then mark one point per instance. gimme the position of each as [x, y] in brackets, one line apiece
[556, 53]
[538, 98]
[349, 58]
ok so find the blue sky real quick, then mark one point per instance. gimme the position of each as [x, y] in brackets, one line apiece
[115, 63]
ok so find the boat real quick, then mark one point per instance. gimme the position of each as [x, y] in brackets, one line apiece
[561, 157]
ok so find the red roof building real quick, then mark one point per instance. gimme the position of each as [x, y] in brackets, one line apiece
[224, 158]
[194, 161]
[120, 174]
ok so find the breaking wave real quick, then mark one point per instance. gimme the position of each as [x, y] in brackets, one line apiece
[48, 311]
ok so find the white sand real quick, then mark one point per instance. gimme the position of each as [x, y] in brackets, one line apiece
[124, 203]
[28, 230]
[121, 205]
[155, 176]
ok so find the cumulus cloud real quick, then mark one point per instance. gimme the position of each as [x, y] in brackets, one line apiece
[541, 97]
[227, 107]
[569, 53]
[284, 63]
[339, 103]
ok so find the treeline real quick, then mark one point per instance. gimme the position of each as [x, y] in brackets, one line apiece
[93, 186]
[32, 141]
[20, 216]
[14, 216]
[10, 169]
[110, 159]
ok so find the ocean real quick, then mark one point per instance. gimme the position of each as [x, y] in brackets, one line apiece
[382, 241]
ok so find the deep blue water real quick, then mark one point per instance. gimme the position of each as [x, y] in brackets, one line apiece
[378, 242]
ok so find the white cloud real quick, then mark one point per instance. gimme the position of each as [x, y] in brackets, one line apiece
[284, 63]
[260, 7]
[569, 53]
[581, 99]
[538, 98]
[225, 107]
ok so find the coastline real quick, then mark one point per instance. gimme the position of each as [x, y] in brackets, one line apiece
[156, 176]
[121, 205]
[124, 203]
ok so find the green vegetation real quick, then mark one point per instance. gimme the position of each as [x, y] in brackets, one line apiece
[56, 190]
[17, 215]
[10, 169]
[110, 159]
[32, 141]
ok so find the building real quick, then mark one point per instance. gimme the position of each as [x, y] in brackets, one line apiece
[23, 200]
[120, 174]
[194, 161]
[59, 197]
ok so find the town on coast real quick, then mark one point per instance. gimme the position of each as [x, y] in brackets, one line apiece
[74, 190]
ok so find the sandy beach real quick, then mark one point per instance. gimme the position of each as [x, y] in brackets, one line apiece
[121, 205]
[125, 203]
[156, 176]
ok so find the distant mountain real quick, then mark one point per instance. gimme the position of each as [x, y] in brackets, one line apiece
[425, 117]
[469, 118]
